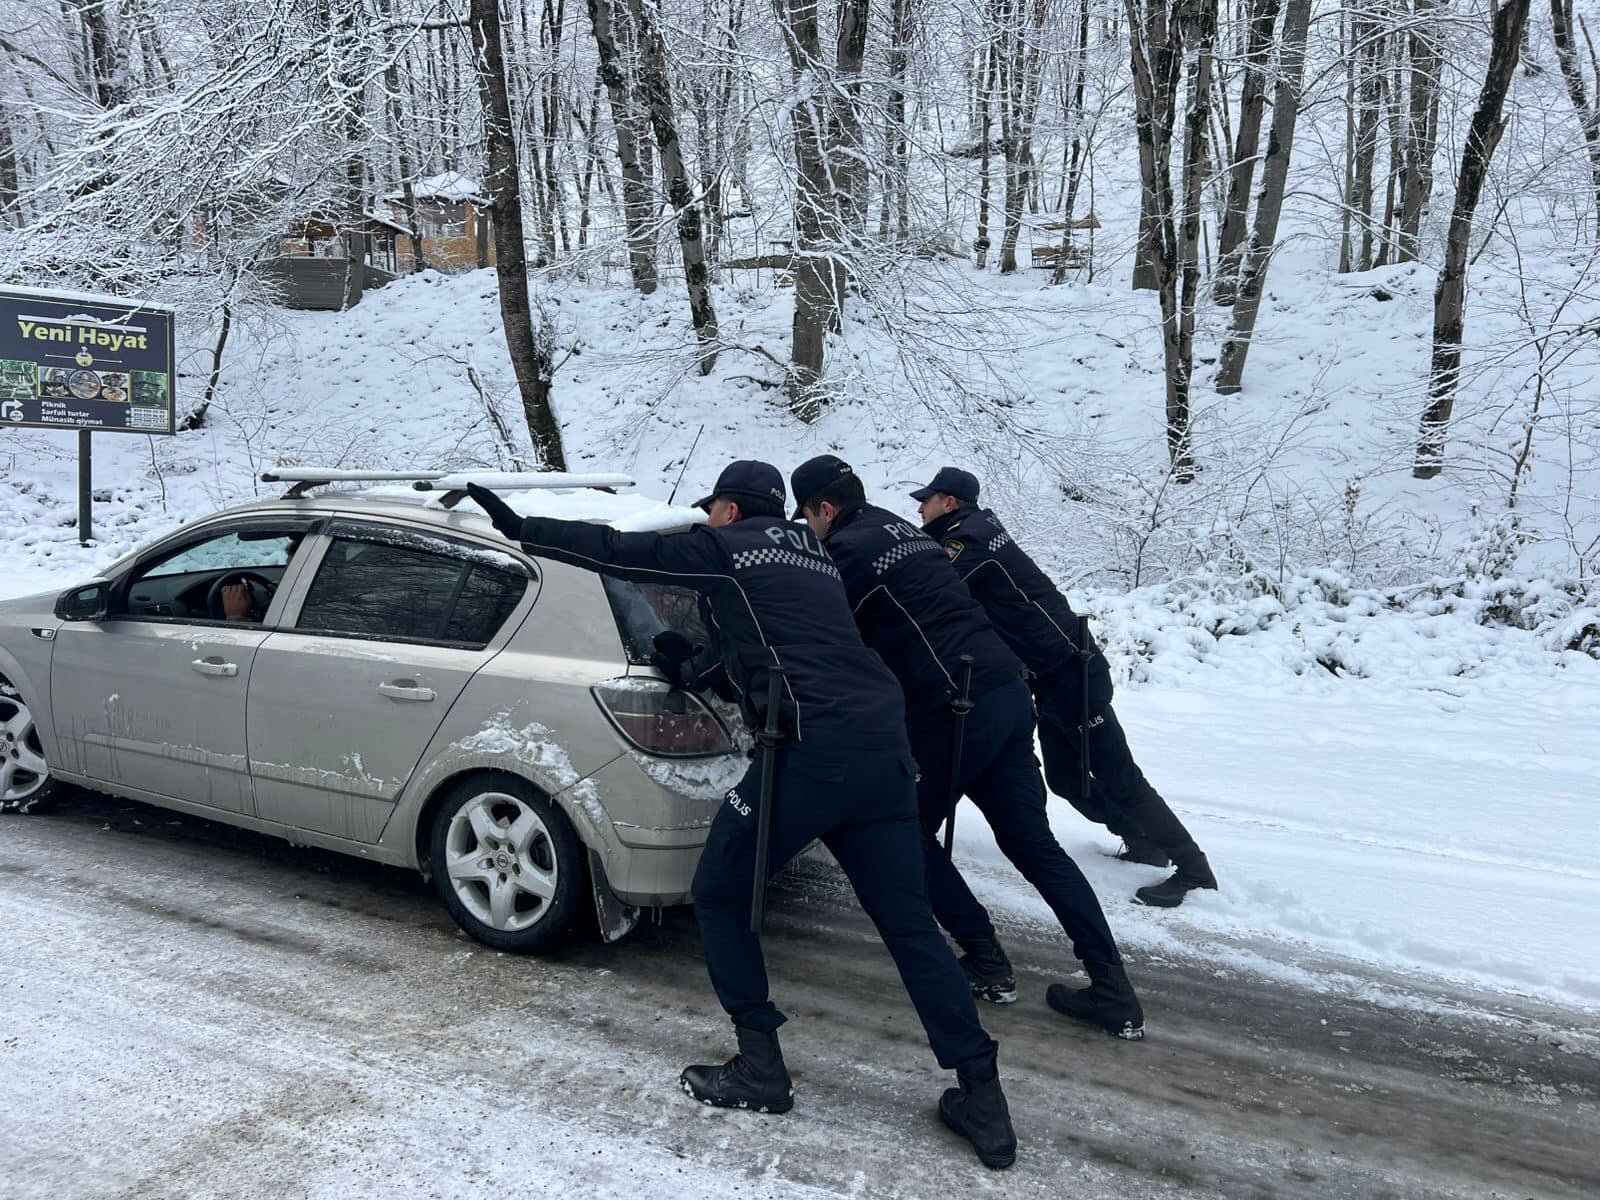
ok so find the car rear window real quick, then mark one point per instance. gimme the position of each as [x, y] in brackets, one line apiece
[643, 610]
[395, 586]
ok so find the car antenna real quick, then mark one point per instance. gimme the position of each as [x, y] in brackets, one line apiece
[685, 466]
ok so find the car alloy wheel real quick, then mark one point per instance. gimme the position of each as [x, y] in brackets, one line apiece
[24, 774]
[501, 861]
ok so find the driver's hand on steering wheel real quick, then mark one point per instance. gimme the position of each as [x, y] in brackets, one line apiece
[236, 602]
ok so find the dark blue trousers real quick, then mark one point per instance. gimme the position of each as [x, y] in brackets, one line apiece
[1001, 776]
[1120, 797]
[863, 807]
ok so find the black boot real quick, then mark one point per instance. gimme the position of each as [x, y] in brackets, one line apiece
[753, 1078]
[976, 1109]
[1108, 1001]
[989, 971]
[1141, 850]
[1192, 873]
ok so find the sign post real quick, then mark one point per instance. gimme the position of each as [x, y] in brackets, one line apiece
[74, 361]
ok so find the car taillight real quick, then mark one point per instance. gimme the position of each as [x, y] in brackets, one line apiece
[660, 719]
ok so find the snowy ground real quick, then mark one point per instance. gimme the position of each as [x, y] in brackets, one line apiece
[191, 1011]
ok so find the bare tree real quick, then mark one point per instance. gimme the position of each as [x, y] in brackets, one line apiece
[624, 123]
[1450, 293]
[1572, 71]
[1156, 42]
[1157, 68]
[1247, 142]
[10, 182]
[657, 86]
[1368, 79]
[815, 297]
[1269, 203]
[531, 353]
[1422, 124]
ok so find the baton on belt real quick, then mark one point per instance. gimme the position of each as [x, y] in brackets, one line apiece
[961, 706]
[768, 739]
[1084, 654]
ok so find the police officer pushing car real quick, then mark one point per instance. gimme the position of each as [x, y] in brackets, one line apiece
[842, 772]
[1037, 622]
[971, 724]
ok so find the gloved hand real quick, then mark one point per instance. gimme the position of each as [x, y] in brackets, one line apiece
[505, 520]
[673, 657]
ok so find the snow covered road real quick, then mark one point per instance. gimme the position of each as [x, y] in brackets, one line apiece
[191, 1011]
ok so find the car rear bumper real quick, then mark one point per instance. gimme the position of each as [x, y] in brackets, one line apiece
[657, 816]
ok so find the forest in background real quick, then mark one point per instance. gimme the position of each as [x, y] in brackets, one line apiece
[924, 181]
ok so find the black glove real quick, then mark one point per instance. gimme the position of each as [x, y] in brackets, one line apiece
[674, 657]
[500, 513]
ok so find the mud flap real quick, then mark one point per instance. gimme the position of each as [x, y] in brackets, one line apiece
[615, 918]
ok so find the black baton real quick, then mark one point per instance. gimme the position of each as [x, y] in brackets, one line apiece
[1083, 676]
[768, 739]
[962, 705]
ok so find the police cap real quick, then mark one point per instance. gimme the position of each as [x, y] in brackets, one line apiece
[747, 479]
[812, 476]
[951, 481]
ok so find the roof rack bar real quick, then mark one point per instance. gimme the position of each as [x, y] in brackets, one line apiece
[306, 478]
[454, 486]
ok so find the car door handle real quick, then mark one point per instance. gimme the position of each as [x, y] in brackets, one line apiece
[215, 666]
[405, 689]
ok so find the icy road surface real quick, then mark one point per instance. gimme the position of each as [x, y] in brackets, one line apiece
[189, 1011]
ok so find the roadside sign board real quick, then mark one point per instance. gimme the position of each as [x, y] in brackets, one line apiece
[69, 361]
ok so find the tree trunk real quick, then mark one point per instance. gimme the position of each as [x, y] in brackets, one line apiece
[1572, 71]
[986, 80]
[1023, 67]
[1197, 122]
[663, 119]
[391, 87]
[1269, 202]
[1073, 168]
[813, 291]
[10, 183]
[636, 206]
[530, 350]
[1449, 294]
[1366, 63]
[1416, 182]
[351, 73]
[896, 184]
[1247, 143]
[1157, 67]
[849, 146]
[1153, 125]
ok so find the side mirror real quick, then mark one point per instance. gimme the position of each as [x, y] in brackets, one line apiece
[86, 603]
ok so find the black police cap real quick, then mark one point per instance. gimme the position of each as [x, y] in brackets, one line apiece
[812, 476]
[951, 481]
[747, 479]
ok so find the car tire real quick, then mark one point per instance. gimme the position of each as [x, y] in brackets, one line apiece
[26, 785]
[507, 863]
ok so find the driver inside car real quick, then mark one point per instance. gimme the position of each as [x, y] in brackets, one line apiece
[239, 605]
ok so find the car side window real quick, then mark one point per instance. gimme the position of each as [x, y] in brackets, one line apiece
[189, 583]
[230, 552]
[394, 586]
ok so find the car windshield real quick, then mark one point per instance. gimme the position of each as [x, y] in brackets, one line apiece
[643, 610]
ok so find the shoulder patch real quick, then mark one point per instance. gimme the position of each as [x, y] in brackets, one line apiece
[954, 548]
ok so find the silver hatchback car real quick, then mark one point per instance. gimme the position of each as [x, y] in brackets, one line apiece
[390, 679]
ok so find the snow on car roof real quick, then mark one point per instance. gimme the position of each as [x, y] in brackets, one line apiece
[624, 512]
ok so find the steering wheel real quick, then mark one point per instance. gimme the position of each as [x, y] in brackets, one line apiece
[261, 589]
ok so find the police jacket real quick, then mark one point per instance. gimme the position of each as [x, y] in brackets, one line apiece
[1028, 612]
[774, 597]
[913, 609]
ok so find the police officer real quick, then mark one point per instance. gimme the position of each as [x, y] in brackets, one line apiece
[1038, 623]
[844, 775]
[913, 609]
